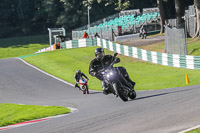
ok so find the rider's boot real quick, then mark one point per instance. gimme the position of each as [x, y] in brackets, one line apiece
[129, 80]
[76, 85]
[106, 90]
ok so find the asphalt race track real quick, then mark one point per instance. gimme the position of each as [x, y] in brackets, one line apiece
[160, 111]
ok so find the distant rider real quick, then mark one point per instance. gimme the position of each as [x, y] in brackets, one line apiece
[103, 61]
[78, 76]
[142, 31]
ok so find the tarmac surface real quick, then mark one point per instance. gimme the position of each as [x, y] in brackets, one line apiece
[134, 40]
[157, 111]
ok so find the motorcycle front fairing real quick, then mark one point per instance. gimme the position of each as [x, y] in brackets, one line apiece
[82, 81]
[113, 75]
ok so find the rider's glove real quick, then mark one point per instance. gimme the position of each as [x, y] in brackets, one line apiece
[116, 60]
[99, 76]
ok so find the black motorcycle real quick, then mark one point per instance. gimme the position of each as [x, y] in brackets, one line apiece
[116, 83]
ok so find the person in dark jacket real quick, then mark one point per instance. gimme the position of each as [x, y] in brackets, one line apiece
[103, 61]
[96, 35]
[78, 76]
[142, 31]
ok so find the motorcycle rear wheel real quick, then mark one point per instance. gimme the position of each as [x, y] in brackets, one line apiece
[121, 92]
[132, 95]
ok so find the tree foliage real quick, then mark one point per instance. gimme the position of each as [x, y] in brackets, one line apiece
[27, 17]
[180, 11]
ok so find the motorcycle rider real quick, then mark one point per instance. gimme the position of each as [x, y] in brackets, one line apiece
[102, 61]
[142, 31]
[77, 77]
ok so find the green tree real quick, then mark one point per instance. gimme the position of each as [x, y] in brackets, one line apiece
[129, 4]
[162, 15]
[25, 13]
[99, 10]
[180, 11]
[8, 19]
[74, 14]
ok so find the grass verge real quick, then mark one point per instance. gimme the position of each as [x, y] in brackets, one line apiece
[148, 76]
[20, 46]
[192, 45]
[14, 113]
[194, 131]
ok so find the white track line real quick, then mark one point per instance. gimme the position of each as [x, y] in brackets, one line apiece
[45, 72]
[190, 129]
[90, 90]
[73, 110]
[51, 75]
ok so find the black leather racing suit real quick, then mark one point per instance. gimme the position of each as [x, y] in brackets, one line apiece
[77, 77]
[96, 65]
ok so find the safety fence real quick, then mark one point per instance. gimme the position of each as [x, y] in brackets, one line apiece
[174, 60]
[79, 43]
[181, 61]
[45, 49]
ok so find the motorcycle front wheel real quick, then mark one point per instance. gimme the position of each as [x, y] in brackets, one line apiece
[85, 89]
[121, 92]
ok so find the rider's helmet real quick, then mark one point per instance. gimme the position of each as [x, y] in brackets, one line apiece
[78, 71]
[99, 53]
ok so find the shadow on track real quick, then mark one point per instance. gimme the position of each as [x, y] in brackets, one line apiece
[161, 94]
[95, 93]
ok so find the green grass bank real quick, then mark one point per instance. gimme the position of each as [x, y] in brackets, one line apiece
[148, 76]
[64, 63]
[21, 46]
[14, 113]
[194, 131]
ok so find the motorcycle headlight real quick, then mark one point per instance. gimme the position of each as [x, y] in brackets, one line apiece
[108, 75]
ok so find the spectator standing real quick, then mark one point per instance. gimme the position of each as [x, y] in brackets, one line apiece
[97, 35]
[135, 15]
[85, 35]
[58, 45]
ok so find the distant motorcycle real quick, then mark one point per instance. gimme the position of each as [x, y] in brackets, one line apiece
[117, 84]
[84, 85]
[144, 35]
